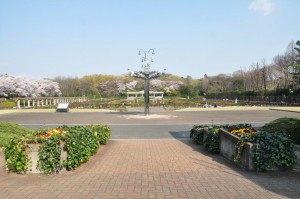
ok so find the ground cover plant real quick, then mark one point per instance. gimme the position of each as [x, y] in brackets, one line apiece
[79, 143]
[271, 150]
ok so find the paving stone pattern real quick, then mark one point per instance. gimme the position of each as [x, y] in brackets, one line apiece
[152, 169]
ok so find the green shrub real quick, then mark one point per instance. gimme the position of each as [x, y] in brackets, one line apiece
[16, 155]
[80, 143]
[197, 134]
[9, 131]
[291, 126]
[102, 132]
[273, 150]
[49, 156]
[212, 142]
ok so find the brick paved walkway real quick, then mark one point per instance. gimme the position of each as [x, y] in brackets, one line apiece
[152, 169]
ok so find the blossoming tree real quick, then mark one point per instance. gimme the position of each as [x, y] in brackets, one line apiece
[20, 86]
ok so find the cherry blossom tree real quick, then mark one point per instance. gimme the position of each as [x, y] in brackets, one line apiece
[166, 86]
[20, 86]
[115, 87]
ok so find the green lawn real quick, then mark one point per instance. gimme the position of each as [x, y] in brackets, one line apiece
[10, 130]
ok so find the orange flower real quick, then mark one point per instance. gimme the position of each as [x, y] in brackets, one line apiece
[240, 132]
[52, 132]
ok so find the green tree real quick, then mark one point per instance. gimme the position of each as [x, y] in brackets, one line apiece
[296, 65]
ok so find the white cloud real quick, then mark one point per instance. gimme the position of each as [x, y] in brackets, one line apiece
[264, 6]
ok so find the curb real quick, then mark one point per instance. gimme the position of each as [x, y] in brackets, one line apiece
[274, 109]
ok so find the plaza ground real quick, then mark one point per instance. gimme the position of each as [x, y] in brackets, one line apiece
[139, 163]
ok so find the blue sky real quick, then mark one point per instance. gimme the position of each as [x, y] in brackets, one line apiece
[52, 38]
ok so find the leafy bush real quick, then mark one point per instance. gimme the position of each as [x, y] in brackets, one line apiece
[291, 126]
[212, 142]
[16, 155]
[80, 143]
[273, 149]
[197, 134]
[102, 132]
[49, 155]
[198, 138]
[9, 131]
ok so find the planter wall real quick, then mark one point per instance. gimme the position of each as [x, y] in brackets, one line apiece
[227, 149]
[2, 159]
[33, 150]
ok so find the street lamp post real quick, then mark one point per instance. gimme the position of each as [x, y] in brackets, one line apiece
[146, 74]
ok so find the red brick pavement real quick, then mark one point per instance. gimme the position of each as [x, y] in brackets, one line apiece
[152, 169]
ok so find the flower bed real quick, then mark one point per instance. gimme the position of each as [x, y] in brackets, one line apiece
[228, 143]
[49, 151]
[250, 149]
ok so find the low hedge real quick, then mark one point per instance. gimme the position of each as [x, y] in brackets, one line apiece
[291, 126]
[80, 143]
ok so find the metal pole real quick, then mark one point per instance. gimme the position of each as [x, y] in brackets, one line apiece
[146, 74]
[147, 110]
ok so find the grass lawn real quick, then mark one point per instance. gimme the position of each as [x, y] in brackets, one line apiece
[10, 130]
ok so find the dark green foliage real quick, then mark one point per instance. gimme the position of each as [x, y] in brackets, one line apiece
[212, 142]
[198, 138]
[197, 134]
[49, 156]
[291, 126]
[80, 143]
[9, 131]
[273, 149]
[102, 133]
[16, 155]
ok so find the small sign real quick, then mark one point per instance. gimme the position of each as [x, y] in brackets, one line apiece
[62, 107]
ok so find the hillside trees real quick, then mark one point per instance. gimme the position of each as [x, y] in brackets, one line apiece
[280, 78]
[260, 78]
[96, 86]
